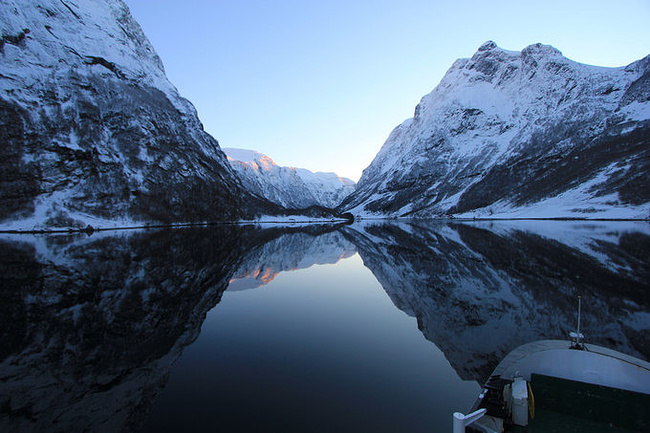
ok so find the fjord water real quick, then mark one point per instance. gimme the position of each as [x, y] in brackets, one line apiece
[374, 326]
[317, 349]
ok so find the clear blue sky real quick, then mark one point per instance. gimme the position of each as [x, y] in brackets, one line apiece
[320, 84]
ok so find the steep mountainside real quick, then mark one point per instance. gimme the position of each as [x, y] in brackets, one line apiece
[527, 134]
[291, 187]
[92, 131]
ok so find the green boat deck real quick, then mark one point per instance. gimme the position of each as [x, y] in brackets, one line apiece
[563, 405]
[547, 422]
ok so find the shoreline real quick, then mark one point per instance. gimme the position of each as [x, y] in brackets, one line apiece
[294, 222]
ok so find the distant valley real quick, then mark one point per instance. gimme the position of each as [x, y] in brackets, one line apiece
[291, 187]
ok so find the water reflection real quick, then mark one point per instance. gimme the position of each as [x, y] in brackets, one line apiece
[91, 326]
[289, 252]
[479, 290]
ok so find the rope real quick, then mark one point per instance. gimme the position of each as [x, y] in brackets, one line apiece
[531, 401]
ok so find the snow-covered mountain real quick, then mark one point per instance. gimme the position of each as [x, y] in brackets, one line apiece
[296, 188]
[525, 134]
[93, 132]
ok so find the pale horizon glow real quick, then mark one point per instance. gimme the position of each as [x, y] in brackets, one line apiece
[320, 85]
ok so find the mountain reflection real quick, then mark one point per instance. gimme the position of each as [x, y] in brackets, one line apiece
[91, 326]
[480, 290]
[289, 252]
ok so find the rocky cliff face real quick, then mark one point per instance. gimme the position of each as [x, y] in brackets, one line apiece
[291, 187]
[519, 134]
[92, 131]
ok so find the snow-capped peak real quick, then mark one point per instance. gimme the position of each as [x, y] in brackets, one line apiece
[488, 137]
[250, 157]
[288, 186]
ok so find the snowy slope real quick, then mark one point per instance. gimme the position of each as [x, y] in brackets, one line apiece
[92, 130]
[526, 134]
[290, 187]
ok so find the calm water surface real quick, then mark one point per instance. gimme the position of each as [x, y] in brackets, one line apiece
[383, 327]
[318, 349]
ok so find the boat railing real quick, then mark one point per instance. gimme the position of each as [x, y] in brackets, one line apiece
[461, 420]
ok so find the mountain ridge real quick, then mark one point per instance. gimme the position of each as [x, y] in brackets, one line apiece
[291, 187]
[498, 136]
